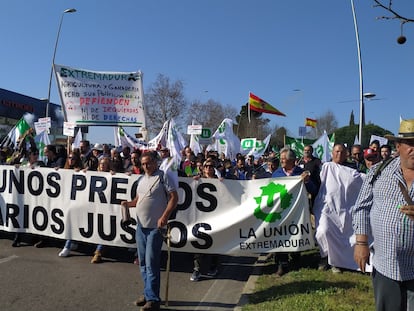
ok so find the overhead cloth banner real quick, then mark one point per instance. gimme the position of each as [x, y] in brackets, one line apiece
[213, 216]
[101, 98]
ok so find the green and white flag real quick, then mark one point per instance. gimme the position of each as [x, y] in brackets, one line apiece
[259, 147]
[16, 132]
[322, 148]
[122, 138]
[298, 144]
[42, 140]
[225, 140]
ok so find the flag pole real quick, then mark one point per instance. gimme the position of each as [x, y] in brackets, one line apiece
[248, 108]
[7, 138]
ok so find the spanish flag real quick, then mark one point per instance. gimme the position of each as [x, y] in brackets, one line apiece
[310, 122]
[259, 105]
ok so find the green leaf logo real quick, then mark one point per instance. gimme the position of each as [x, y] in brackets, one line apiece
[270, 191]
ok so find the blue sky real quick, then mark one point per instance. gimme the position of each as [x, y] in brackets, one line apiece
[227, 47]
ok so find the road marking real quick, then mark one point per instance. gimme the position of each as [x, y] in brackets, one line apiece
[4, 260]
[215, 293]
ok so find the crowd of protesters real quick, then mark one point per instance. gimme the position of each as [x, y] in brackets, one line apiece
[321, 183]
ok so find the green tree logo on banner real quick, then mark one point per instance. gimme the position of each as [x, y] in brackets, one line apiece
[270, 192]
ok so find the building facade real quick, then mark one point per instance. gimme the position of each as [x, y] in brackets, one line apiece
[13, 106]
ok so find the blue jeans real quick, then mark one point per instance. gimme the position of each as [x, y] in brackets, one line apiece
[149, 242]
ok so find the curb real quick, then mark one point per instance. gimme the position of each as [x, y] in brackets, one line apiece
[249, 287]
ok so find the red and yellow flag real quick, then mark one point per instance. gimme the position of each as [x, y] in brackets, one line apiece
[259, 105]
[310, 122]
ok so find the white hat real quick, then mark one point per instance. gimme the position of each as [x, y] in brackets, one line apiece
[97, 147]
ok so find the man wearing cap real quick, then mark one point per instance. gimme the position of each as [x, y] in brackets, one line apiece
[371, 157]
[165, 157]
[97, 151]
[385, 210]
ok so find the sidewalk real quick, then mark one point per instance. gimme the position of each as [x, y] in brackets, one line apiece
[249, 288]
[38, 280]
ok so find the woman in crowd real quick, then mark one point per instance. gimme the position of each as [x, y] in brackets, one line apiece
[73, 162]
[208, 172]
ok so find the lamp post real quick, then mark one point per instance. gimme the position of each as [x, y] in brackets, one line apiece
[362, 95]
[54, 54]
[367, 96]
[361, 83]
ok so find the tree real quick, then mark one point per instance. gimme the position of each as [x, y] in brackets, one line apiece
[278, 137]
[352, 119]
[258, 127]
[347, 134]
[209, 114]
[326, 122]
[395, 15]
[164, 100]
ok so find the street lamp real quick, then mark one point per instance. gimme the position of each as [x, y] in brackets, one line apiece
[361, 82]
[54, 54]
[367, 96]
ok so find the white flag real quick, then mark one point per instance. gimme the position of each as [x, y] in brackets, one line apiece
[77, 140]
[260, 147]
[122, 138]
[322, 148]
[356, 140]
[225, 140]
[194, 143]
[42, 140]
[160, 139]
[175, 142]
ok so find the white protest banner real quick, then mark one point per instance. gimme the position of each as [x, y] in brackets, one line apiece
[40, 127]
[213, 216]
[101, 98]
[69, 128]
[47, 120]
[194, 129]
[382, 140]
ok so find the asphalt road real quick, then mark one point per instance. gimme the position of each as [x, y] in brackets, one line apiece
[36, 279]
